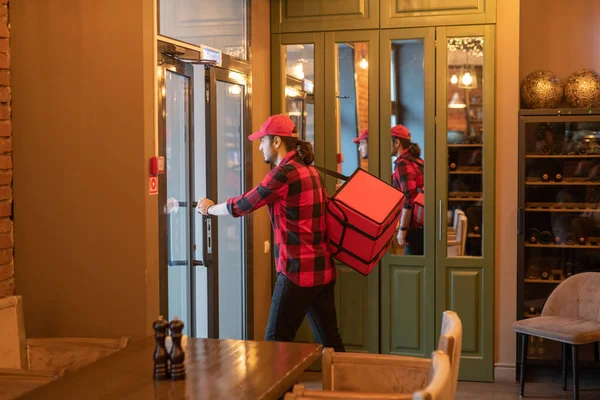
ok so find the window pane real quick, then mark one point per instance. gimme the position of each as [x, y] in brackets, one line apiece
[220, 24]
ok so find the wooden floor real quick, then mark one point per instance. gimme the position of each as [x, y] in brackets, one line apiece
[545, 388]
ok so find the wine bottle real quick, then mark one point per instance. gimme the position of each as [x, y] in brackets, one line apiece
[559, 235]
[533, 235]
[545, 177]
[546, 237]
[568, 269]
[545, 273]
[541, 348]
[558, 178]
[452, 166]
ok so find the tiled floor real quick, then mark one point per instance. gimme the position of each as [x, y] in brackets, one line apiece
[549, 388]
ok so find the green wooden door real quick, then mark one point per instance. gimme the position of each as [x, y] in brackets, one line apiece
[465, 154]
[351, 106]
[408, 282]
[305, 56]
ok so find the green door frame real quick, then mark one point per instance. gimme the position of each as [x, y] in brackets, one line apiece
[408, 282]
[466, 284]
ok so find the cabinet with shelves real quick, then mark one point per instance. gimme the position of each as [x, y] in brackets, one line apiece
[559, 209]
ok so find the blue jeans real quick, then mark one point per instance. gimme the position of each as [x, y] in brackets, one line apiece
[291, 303]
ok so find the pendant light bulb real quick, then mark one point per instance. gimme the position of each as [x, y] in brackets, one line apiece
[364, 64]
[454, 79]
[467, 79]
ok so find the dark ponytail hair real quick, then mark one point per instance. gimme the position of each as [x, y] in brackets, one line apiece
[413, 148]
[304, 149]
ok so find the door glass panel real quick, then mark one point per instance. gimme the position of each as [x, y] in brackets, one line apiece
[299, 88]
[230, 162]
[176, 92]
[352, 92]
[200, 272]
[562, 213]
[407, 139]
[219, 24]
[465, 146]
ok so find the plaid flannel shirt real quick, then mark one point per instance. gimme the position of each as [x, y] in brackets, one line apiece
[296, 200]
[408, 178]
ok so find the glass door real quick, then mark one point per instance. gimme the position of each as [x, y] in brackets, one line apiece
[175, 121]
[229, 268]
[205, 270]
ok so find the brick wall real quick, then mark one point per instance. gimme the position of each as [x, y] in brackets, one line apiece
[362, 91]
[7, 270]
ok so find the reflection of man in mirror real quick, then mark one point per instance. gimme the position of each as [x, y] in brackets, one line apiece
[408, 178]
[363, 144]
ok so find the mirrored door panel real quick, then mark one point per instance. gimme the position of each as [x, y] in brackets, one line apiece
[352, 88]
[465, 145]
[406, 138]
[298, 85]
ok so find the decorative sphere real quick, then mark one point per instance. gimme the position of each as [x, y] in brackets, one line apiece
[583, 89]
[541, 89]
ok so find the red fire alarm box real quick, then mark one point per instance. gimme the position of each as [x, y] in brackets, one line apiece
[154, 166]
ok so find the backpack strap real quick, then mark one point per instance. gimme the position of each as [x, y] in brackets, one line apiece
[331, 173]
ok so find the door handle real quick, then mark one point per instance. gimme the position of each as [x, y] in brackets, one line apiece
[440, 220]
[197, 263]
[208, 235]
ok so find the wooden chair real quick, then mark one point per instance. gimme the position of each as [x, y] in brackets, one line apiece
[16, 382]
[381, 376]
[571, 316]
[54, 355]
[457, 235]
[438, 387]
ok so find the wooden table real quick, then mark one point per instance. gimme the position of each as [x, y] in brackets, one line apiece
[216, 369]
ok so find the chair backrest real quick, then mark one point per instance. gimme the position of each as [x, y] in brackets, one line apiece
[440, 384]
[451, 343]
[576, 297]
[13, 344]
[373, 373]
[461, 232]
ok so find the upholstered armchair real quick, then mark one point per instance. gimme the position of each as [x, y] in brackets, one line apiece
[571, 316]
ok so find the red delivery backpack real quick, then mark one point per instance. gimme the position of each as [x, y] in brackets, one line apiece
[418, 211]
[362, 216]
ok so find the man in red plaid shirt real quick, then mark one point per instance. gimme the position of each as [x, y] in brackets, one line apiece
[408, 178]
[296, 200]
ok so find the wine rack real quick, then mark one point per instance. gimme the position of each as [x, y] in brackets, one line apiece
[559, 210]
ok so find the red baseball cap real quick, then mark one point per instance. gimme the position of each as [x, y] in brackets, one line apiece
[363, 136]
[277, 125]
[400, 131]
